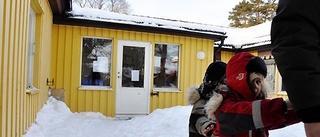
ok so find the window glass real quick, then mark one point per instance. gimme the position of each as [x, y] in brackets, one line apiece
[133, 64]
[31, 49]
[166, 66]
[96, 61]
[270, 79]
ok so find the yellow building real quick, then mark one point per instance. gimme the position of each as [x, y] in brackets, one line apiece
[25, 54]
[123, 65]
[108, 67]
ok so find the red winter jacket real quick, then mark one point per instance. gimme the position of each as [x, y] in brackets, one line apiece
[241, 114]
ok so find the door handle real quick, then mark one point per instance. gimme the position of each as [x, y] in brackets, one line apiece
[154, 94]
[119, 75]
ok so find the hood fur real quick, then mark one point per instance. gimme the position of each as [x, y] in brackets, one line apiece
[193, 95]
[213, 104]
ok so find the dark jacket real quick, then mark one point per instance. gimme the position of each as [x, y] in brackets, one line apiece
[242, 115]
[198, 120]
[295, 37]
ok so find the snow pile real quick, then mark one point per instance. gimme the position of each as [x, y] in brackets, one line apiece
[56, 120]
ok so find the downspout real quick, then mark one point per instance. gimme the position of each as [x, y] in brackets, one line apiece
[68, 7]
[215, 52]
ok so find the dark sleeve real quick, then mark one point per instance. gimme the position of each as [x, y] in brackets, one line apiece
[295, 44]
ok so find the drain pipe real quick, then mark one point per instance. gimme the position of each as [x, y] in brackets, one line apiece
[215, 52]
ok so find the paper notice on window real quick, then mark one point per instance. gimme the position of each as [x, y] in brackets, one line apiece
[103, 59]
[101, 65]
[134, 75]
[104, 62]
[157, 61]
[95, 66]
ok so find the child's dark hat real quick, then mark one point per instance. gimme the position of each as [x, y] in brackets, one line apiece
[256, 64]
[215, 71]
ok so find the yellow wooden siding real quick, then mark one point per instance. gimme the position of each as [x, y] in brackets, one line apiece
[254, 52]
[18, 109]
[226, 56]
[66, 62]
[277, 86]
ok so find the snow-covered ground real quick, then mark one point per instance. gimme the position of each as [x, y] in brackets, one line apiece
[56, 120]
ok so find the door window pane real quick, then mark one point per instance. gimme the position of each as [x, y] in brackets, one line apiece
[166, 66]
[96, 61]
[133, 66]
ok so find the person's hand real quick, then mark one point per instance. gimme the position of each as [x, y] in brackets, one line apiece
[209, 130]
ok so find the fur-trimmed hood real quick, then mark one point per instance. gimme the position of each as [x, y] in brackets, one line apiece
[193, 95]
[237, 75]
[213, 104]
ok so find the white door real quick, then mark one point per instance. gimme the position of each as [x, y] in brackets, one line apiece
[133, 78]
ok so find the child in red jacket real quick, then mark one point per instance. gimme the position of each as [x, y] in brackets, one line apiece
[244, 111]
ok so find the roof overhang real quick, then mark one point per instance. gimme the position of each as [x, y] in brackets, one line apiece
[130, 27]
[59, 7]
[60, 16]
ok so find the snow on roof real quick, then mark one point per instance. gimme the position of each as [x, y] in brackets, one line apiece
[248, 37]
[102, 15]
[238, 37]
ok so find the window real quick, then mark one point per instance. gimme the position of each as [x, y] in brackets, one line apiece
[96, 61]
[31, 50]
[270, 79]
[166, 66]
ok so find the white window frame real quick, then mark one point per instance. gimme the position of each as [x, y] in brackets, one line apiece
[95, 87]
[31, 51]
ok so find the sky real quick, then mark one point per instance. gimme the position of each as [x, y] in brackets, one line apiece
[56, 120]
[214, 12]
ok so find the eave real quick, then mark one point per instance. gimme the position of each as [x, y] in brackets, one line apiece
[59, 7]
[130, 27]
[60, 16]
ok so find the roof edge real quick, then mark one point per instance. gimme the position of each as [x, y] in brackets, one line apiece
[63, 20]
